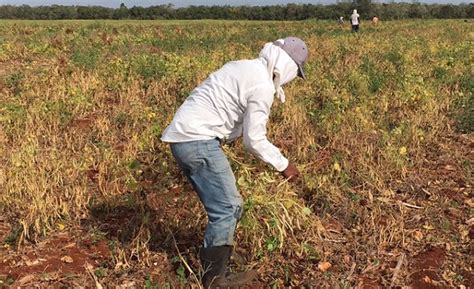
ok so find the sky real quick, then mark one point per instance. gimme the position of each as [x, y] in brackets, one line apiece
[184, 3]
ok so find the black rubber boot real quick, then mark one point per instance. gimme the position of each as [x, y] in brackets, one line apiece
[215, 261]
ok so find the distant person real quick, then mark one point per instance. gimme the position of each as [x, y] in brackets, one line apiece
[234, 101]
[375, 21]
[355, 21]
[341, 21]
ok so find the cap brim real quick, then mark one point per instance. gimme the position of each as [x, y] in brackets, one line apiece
[301, 72]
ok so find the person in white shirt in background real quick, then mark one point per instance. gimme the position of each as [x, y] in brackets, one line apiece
[232, 102]
[340, 20]
[355, 21]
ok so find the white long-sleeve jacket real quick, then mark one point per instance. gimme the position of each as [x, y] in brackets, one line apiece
[234, 101]
[355, 18]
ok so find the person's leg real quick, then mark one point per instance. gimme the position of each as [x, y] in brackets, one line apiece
[208, 169]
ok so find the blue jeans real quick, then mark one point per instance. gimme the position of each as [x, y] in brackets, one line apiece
[209, 171]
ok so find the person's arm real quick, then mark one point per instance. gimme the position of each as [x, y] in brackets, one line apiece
[255, 129]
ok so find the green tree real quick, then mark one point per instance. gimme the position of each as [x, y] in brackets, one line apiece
[121, 13]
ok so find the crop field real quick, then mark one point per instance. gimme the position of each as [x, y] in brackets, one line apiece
[381, 131]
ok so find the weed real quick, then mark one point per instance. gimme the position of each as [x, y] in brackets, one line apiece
[149, 284]
[100, 272]
[14, 82]
[465, 114]
[271, 244]
[86, 58]
[149, 67]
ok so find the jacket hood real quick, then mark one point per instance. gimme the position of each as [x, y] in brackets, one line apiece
[281, 68]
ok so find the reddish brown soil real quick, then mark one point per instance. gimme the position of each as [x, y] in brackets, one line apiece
[426, 268]
[59, 255]
[84, 123]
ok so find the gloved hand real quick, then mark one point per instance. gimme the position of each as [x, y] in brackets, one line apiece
[291, 172]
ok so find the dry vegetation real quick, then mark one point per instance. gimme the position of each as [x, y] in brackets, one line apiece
[381, 131]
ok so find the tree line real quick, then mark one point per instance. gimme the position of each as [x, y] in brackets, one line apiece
[367, 9]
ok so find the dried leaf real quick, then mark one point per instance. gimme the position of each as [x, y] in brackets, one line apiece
[469, 202]
[418, 235]
[26, 279]
[67, 259]
[49, 276]
[428, 227]
[70, 245]
[402, 151]
[448, 247]
[347, 259]
[324, 266]
[319, 226]
[470, 222]
[31, 263]
[388, 193]
[449, 168]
